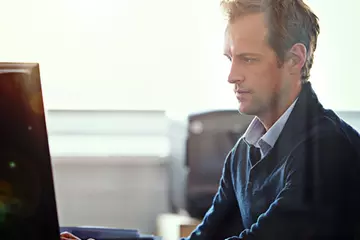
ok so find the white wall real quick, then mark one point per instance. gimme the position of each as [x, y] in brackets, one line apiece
[335, 74]
[158, 54]
[108, 54]
[74, 134]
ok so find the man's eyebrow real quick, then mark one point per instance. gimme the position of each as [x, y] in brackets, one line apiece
[245, 54]
[248, 54]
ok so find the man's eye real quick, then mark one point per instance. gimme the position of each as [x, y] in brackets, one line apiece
[249, 60]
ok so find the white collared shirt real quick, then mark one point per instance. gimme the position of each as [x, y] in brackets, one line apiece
[254, 134]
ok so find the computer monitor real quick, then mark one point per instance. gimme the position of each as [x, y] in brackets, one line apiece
[27, 198]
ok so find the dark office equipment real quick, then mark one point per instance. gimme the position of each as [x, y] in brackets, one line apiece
[198, 147]
[27, 199]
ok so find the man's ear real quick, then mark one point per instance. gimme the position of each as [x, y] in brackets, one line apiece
[297, 57]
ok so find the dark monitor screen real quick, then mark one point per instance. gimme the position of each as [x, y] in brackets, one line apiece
[27, 198]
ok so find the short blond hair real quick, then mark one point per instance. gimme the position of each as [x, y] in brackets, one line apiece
[289, 22]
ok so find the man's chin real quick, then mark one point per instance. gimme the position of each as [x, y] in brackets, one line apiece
[246, 110]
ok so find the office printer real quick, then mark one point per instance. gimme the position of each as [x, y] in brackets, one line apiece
[199, 143]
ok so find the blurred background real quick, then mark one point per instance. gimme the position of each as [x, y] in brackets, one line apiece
[126, 82]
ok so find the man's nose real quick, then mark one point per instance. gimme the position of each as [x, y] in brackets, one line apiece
[235, 75]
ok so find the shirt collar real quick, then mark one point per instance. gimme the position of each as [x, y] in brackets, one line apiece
[257, 135]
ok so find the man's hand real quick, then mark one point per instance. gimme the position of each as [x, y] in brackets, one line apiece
[69, 236]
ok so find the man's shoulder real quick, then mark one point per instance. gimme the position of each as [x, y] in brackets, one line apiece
[329, 145]
[330, 130]
[330, 125]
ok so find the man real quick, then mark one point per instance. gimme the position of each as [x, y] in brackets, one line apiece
[290, 175]
[295, 173]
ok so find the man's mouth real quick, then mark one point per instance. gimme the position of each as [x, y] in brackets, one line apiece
[240, 94]
[242, 91]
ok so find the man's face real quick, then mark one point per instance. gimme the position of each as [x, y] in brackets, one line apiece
[258, 78]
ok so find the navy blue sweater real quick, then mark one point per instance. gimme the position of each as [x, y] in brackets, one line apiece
[306, 187]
